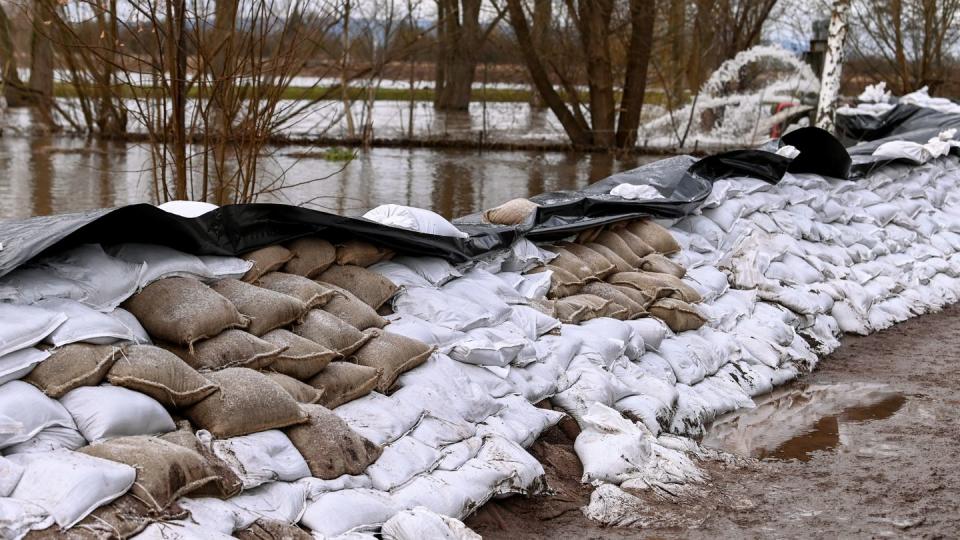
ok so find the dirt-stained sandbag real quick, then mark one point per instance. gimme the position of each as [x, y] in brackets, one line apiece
[618, 262]
[599, 265]
[226, 482]
[547, 307]
[631, 252]
[183, 311]
[589, 235]
[329, 446]
[654, 236]
[370, 287]
[73, 366]
[272, 529]
[678, 315]
[393, 354]
[161, 375]
[300, 391]
[329, 331]
[600, 307]
[233, 348]
[360, 253]
[302, 358]
[342, 382]
[122, 518]
[310, 256]
[562, 282]
[165, 471]
[611, 293]
[572, 264]
[635, 294]
[658, 263]
[657, 285]
[512, 212]
[306, 290]
[248, 401]
[351, 310]
[266, 309]
[265, 260]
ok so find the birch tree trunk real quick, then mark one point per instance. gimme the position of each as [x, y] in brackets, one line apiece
[832, 65]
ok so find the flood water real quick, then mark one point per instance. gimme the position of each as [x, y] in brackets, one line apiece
[796, 422]
[56, 174]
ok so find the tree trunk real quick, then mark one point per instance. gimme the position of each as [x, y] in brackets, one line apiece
[176, 54]
[832, 65]
[461, 38]
[542, 21]
[594, 21]
[14, 90]
[41, 56]
[642, 16]
[344, 65]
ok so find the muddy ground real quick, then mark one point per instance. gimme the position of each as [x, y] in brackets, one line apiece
[890, 474]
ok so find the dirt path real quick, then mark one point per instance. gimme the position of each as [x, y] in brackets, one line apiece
[896, 476]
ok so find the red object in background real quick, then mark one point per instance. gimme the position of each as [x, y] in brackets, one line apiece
[777, 129]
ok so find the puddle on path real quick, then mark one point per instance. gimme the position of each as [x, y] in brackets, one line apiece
[797, 421]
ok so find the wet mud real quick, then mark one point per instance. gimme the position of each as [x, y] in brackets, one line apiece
[867, 446]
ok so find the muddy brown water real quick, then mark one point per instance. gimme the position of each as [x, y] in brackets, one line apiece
[879, 459]
[47, 175]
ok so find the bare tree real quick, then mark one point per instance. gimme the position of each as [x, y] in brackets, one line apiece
[15, 92]
[460, 36]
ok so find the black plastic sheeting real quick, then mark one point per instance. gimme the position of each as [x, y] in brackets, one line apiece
[682, 181]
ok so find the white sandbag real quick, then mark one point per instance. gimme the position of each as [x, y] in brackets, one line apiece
[225, 267]
[533, 323]
[683, 354]
[525, 475]
[414, 219]
[280, 501]
[216, 515]
[907, 150]
[483, 348]
[647, 410]
[400, 462]
[439, 432]
[485, 289]
[456, 455]
[10, 474]
[421, 330]
[639, 382]
[519, 421]
[30, 411]
[379, 418]
[635, 192]
[710, 282]
[179, 530]
[18, 517]
[611, 447]
[399, 274]
[593, 385]
[85, 273]
[603, 343]
[617, 330]
[443, 309]
[338, 512]
[535, 381]
[316, 487]
[188, 209]
[49, 439]
[702, 226]
[89, 325]
[19, 364]
[70, 485]
[104, 412]
[434, 270]
[421, 523]
[657, 366]
[162, 261]
[651, 330]
[535, 286]
[25, 326]
[525, 255]
[258, 458]
[453, 493]
[442, 387]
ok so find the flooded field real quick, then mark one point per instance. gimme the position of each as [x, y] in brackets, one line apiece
[45, 175]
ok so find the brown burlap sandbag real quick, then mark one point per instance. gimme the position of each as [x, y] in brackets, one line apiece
[618, 262]
[329, 331]
[302, 358]
[370, 287]
[547, 307]
[248, 402]
[599, 265]
[165, 471]
[613, 241]
[226, 484]
[572, 312]
[342, 382]
[265, 260]
[183, 311]
[299, 391]
[121, 519]
[73, 366]
[233, 348]
[306, 290]
[678, 315]
[351, 310]
[611, 293]
[562, 283]
[393, 354]
[572, 264]
[589, 235]
[600, 307]
[660, 264]
[360, 253]
[654, 236]
[161, 375]
[329, 446]
[266, 309]
[311, 256]
[657, 285]
[272, 529]
[512, 212]
[636, 295]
